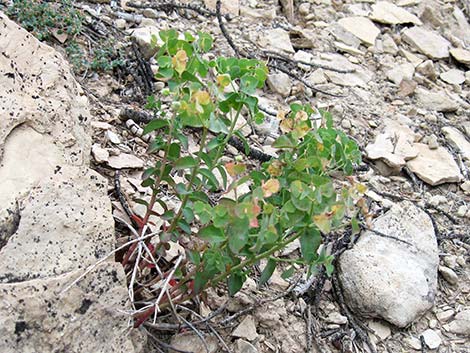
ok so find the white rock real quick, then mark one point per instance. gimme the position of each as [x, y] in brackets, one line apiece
[432, 339]
[120, 23]
[461, 324]
[280, 83]
[437, 200]
[380, 328]
[113, 137]
[336, 318]
[245, 347]
[347, 49]
[388, 13]
[438, 101]
[143, 37]
[278, 39]
[413, 342]
[448, 274]
[100, 154]
[317, 77]
[457, 140]
[434, 166]
[246, 329]
[461, 55]
[465, 186]
[453, 77]
[304, 57]
[400, 72]
[462, 211]
[190, 342]
[427, 42]
[388, 279]
[427, 69]
[227, 6]
[444, 316]
[125, 160]
[389, 45]
[304, 8]
[394, 146]
[358, 78]
[361, 27]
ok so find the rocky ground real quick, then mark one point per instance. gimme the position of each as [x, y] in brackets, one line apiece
[396, 77]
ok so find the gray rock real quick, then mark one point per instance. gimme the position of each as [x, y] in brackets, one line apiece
[448, 274]
[461, 324]
[435, 167]
[438, 101]
[245, 347]
[190, 342]
[431, 338]
[125, 160]
[246, 329]
[361, 27]
[453, 77]
[427, 69]
[388, 13]
[277, 39]
[461, 55]
[280, 83]
[227, 6]
[427, 42]
[457, 140]
[401, 72]
[389, 45]
[36, 317]
[388, 279]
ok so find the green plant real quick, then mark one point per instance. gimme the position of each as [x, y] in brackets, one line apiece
[43, 18]
[105, 57]
[290, 197]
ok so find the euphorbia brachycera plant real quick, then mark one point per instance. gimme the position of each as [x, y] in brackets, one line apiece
[226, 231]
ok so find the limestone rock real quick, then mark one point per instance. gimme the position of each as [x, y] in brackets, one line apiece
[246, 329]
[401, 72]
[438, 101]
[277, 39]
[227, 6]
[461, 324]
[394, 146]
[143, 37]
[125, 160]
[461, 55]
[280, 83]
[190, 342]
[36, 317]
[448, 274]
[388, 13]
[427, 42]
[453, 77]
[427, 69]
[361, 27]
[388, 279]
[245, 347]
[434, 166]
[432, 339]
[457, 140]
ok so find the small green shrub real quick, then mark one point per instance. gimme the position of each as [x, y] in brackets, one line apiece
[42, 18]
[290, 197]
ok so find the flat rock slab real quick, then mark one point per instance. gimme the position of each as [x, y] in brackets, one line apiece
[388, 13]
[458, 141]
[65, 225]
[435, 166]
[389, 279]
[436, 100]
[461, 55]
[36, 317]
[427, 42]
[361, 27]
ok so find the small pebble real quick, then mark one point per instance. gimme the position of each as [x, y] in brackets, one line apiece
[432, 339]
[448, 274]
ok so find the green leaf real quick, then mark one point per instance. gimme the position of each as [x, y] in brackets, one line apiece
[284, 141]
[149, 172]
[267, 272]
[174, 151]
[185, 162]
[164, 61]
[155, 125]
[204, 41]
[237, 232]
[248, 84]
[200, 280]
[310, 240]
[204, 211]
[235, 282]
[223, 174]
[212, 180]
[212, 235]
[184, 226]
[288, 273]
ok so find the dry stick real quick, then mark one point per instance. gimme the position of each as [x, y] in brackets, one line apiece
[383, 235]
[358, 327]
[214, 331]
[198, 333]
[120, 195]
[96, 264]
